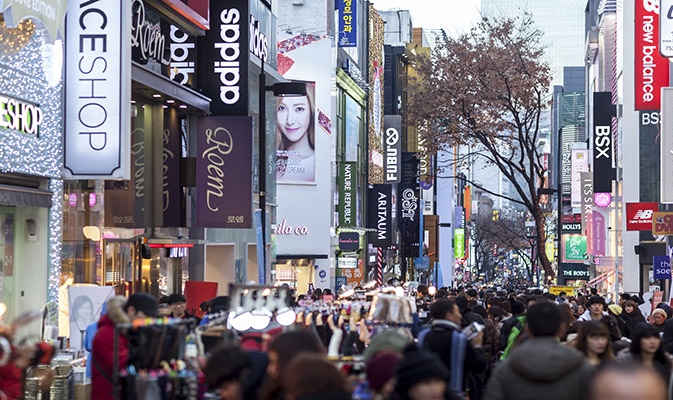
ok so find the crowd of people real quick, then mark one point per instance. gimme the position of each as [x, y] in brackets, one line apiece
[466, 343]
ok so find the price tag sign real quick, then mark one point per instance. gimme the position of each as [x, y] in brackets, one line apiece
[662, 267]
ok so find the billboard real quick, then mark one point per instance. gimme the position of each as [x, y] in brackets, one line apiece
[579, 162]
[639, 216]
[224, 172]
[651, 68]
[380, 201]
[98, 91]
[393, 148]
[603, 162]
[295, 133]
[574, 248]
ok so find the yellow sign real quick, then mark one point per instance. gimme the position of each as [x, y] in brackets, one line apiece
[662, 223]
[550, 250]
[555, 290]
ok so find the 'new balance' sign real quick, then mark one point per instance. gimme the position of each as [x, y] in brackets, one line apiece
[639, 216]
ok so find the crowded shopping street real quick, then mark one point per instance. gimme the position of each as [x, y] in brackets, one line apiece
[336, 199]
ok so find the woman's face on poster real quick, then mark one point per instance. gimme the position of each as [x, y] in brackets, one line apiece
[85, 311]
[294, 117]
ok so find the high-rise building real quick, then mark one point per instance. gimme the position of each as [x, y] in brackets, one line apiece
[562, 24]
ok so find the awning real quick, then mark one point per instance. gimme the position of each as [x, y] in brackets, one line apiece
[25, 197]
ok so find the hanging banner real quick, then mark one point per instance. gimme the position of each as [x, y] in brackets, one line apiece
[347, 23]
[662, 267]
[224, 172]
[587, 206]
[346, 180]
[599, 233]
[380, 201]
[98, 91]
[579, 163]
[651, 68]
[393, 148]
[85, 305]
[603, 163]
[649, 149]
[639, 216]
[666, 152]
[459, 243]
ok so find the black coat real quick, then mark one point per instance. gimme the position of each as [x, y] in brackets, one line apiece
[633, 319]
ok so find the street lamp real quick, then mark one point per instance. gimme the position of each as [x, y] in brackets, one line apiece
[283, 89]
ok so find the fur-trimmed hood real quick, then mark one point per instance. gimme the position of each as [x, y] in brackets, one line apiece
[115, 310]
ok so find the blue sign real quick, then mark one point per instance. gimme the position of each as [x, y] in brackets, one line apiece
[422, 262]
[339, 282]
[662, 267]
[347, 23]
[322, 274]
[261, 262]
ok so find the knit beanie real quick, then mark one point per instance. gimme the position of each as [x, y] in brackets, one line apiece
[617, 310]
[518, 308]
[659, 311]
[418, 366]
[381, 368]
[388, 340]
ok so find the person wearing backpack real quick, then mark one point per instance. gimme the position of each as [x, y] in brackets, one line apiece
[464, 358]
[511, 329]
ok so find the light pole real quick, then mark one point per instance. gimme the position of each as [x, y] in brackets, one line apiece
[283, 89]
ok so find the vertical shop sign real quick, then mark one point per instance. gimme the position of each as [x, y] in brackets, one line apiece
[603, 163]
[98, 90]
[459, 243]
[393, 148]
[651, 68]
[579, 164]
[347, 194]
[224, 172]
[587, 205]
[666, 152]
[171, 191]
[380, 215]
[409, 217]
[650, 143]
[598, 230]
[347, 23]
[223, 58]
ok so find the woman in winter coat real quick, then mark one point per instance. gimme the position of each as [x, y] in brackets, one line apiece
[646, 349]
[491, 334]
[593, 341]
[632, 316]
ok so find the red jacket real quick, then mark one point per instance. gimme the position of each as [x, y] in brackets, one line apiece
[11, 381]
[102, 358]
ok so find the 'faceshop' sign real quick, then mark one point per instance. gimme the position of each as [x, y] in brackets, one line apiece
[97, 85]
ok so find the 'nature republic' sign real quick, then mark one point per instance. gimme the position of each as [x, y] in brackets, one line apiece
[347, 200]
[574, 248]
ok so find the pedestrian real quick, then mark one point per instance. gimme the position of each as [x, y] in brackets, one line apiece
[633, 316]
[468, 315]
[593, 341]
[616, 312]
[511, 329]
[596, 312]
[561, 297]
[310, 376]
[491, 334]
[446, 335]
[646, 349]
[119, 311]
[282, 350]
[658, 320]
[421, 375]
[380, 371]
[541, 367]
[225, 371]
[178, 302]
[627, 381]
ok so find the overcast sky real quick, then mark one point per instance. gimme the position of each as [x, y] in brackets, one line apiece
[456, 16]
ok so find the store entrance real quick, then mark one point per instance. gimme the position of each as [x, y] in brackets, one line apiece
[119, 268]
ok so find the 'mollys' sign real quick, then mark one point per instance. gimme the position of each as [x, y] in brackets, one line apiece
[651, 67]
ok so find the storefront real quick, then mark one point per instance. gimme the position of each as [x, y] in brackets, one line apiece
[31, 61]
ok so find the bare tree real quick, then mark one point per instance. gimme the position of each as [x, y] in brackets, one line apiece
[486, 90]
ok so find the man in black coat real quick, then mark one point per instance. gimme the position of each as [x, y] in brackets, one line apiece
[446, 320]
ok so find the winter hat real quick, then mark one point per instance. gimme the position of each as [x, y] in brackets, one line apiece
[461, 302]
[418, 366]
[659, 311]
[617, 310]
[518, 308]
[388, 340]
[596, 300]
[381, 368]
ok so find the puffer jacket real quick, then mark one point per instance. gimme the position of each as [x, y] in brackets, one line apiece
[102, 350]
[540, 368]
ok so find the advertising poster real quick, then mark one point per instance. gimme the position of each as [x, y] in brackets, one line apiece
[574, 248]
[295, 134]
[224, 172]
[85, 305]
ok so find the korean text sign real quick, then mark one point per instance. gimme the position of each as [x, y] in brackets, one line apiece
[347, 23]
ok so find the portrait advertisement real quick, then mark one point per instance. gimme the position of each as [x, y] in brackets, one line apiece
[85, 305]
[295, 135]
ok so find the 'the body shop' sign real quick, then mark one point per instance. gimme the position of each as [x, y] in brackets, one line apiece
[224, 172]
[651, 67]
[98, 90]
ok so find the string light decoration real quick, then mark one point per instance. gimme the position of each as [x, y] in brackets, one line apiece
[375, 129]
[31, 70]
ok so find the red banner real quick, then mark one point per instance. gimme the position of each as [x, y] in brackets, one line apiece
[639, 216]
[651, 67]
[198, 292]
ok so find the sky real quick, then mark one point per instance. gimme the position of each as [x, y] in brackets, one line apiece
[456, 16]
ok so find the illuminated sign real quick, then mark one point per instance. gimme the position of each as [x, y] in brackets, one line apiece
[20, 116]
[459, 243]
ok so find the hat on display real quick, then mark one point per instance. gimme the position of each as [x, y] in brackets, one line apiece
[144, 302]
